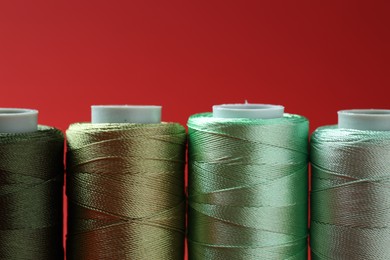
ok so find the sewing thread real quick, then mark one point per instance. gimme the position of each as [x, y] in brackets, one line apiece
[247, 188]
[125, 186]
[31, 187]
[350, 199]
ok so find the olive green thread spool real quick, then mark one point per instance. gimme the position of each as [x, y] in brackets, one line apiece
[125, 184]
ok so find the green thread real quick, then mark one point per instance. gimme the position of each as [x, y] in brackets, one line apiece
[125, 187]
[350, 199]
[247, 188]
[31, 182]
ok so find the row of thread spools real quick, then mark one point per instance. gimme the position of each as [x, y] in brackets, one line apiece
[247, 185]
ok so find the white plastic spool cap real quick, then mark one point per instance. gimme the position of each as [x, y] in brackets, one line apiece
[254, 111]
[126, 114]
[364, 119]
[18, 120]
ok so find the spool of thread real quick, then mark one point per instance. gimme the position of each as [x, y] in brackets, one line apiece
[125, 185]
[247, 186]
[350, 206]
[31, 186]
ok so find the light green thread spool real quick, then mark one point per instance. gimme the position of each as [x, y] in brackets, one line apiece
[350, 205]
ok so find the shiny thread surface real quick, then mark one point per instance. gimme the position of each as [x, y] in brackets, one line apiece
[350, 199]
[247, 188]
[31, 182]
[125, 186]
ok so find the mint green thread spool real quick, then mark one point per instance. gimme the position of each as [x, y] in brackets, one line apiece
[247, 187]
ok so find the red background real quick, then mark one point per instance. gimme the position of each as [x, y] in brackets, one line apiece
[313, 57]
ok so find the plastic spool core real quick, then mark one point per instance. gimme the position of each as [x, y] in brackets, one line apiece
[126, 114]
[364, 119]
[18, 120]
[254, 111]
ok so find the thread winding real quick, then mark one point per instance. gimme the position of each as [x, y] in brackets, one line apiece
[31, 182]
[350, 199]
[247, 188]
[125, 187]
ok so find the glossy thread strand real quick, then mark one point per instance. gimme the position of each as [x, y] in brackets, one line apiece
[31, 187]
[125, 186]
[350, 199]
[247, 188]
